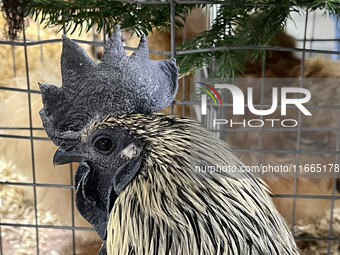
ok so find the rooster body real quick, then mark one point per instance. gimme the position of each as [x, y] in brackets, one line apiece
[171, 208]
[140, 181]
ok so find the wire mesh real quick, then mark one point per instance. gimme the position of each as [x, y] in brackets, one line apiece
[97, 43]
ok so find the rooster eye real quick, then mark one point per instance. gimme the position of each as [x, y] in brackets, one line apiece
[103, 144]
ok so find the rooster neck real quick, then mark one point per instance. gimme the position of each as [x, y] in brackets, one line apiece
[169, 209]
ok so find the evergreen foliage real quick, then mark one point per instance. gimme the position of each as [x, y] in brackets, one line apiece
[238, 23]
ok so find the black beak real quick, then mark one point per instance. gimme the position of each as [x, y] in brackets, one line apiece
[62, 157]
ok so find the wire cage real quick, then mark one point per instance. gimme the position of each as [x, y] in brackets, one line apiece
[38, 214]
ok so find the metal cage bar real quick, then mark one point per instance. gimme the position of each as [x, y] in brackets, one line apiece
[32, 144]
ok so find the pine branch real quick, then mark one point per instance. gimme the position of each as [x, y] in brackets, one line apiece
[13, 16]
[238, 23]
[257, 25]
[235, 26]
[135, 18]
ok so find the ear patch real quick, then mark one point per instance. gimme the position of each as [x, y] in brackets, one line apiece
[131, 151]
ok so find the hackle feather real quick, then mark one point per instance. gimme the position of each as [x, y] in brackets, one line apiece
[169, 208]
